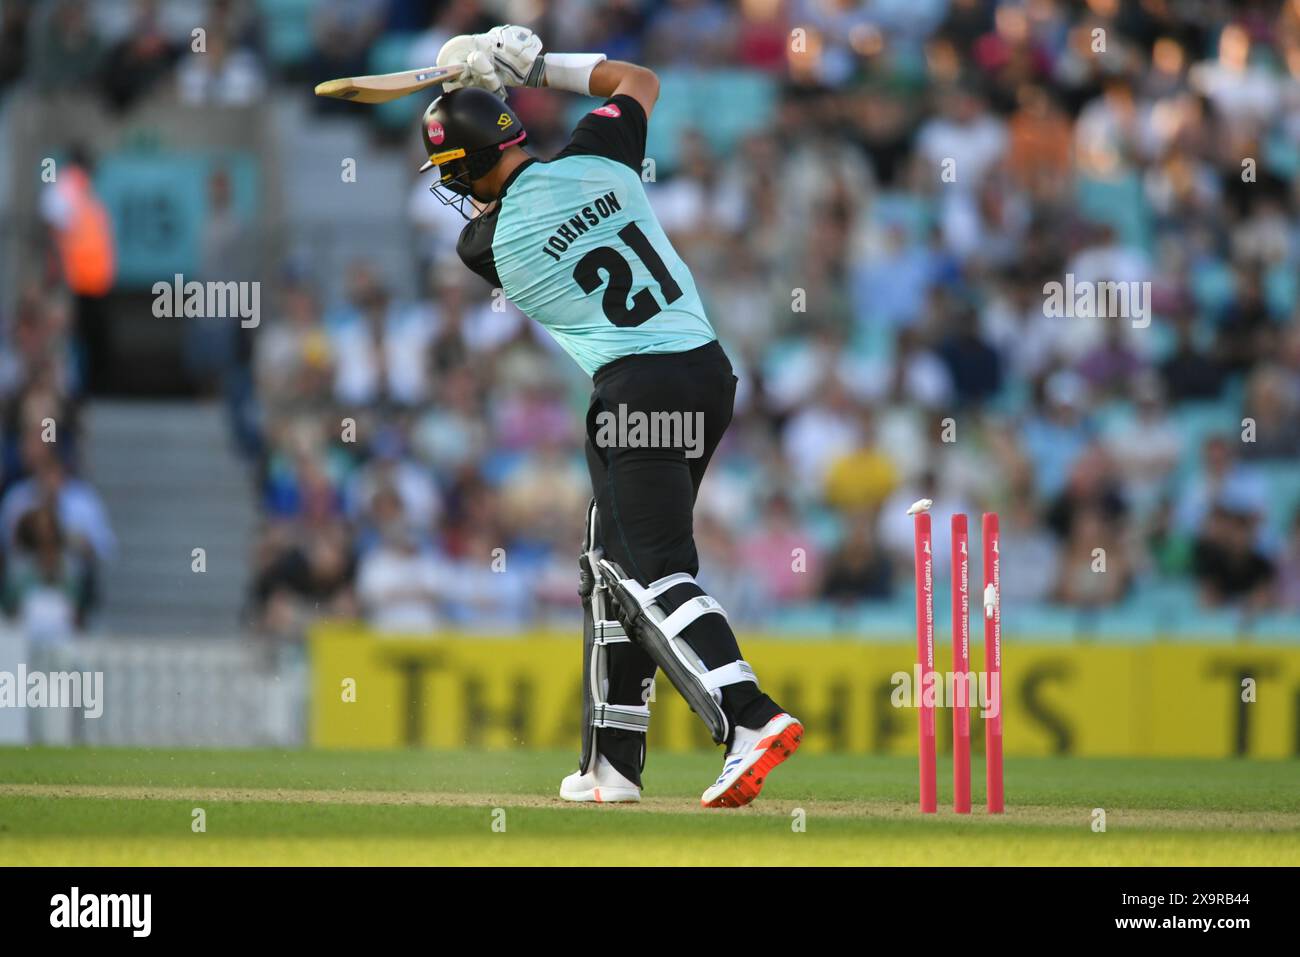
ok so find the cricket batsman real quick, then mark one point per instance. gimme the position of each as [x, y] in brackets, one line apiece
[573, 243]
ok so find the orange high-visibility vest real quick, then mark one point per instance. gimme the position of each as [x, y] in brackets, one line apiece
[86, 241]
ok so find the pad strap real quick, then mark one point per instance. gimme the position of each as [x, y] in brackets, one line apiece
[677, 622]
[657, 588]
[732, 674]
[626, 717]
[609, 633]
[645, 595]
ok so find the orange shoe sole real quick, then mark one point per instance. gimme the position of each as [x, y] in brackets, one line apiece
[750, 784]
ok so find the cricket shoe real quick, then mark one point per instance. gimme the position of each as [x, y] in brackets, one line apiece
[754, 753]
[602, 784]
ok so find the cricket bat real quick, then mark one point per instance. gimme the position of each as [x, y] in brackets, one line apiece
[383, 87]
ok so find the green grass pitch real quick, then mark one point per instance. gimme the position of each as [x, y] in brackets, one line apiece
[135, 807]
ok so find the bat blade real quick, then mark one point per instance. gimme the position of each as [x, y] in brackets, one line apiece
[382, 87]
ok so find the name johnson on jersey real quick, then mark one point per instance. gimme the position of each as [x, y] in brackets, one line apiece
[567, 233]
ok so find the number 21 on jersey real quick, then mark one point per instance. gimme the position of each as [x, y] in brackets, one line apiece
[618, 271]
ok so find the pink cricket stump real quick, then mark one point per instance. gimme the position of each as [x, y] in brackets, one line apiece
[960, 665]
[993, 662]
[924, 558]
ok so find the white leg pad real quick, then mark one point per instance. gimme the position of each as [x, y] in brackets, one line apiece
[659, 633]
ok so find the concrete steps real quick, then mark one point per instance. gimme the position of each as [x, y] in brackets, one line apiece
[171, 482]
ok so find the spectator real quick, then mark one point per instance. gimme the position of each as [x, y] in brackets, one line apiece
[381, 346]
[1245, 331]
[1146, 446]
[973, 365]
[820, 433]
[80, 513]
[82, 235]
[1057, 436]
[66, 52]
[696, 206]
[293, 358]
[304, 582]
[1113, 365]
[781, 555]
[138, 63]
[863, 477]
[1273, 408]
[1220, 477]
[225, 75]
[965, 136]
[1030, 555]
[401, 587]
[1190, 372]
[1229, 567]
[858, 570]
[1095, 570]
[48, 583]
[391, 471]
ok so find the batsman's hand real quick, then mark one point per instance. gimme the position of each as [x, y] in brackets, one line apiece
[480, 70]
[516, 52]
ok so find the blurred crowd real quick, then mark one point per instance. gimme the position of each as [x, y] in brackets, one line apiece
[55, 534]
[875, 259]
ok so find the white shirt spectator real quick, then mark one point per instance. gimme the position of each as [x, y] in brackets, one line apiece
[814, 438]
[220, 79]
[400, 589]
[1146, 450]
[358, 377]
[796, 376]
[683, 204]
[1252, 93]
[976, 147]
[1108, 135]
[81, 513]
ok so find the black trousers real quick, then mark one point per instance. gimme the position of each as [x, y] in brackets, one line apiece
[645, 499]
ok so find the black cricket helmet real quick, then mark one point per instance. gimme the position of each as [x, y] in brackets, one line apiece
[465, 132]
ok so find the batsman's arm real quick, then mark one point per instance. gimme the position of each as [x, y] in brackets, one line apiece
[592, 75]
[614, 77]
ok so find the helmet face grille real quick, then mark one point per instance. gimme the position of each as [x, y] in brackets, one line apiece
[455, 177]
[453, 187]
[453, 190]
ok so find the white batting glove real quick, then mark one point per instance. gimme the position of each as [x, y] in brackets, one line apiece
[516, 52]
[480, 68]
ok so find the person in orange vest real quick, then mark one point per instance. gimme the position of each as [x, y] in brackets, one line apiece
[82, 235]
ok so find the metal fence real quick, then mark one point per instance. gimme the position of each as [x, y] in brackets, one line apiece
[164, 693]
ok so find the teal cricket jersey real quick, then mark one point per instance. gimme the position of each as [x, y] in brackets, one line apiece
[574, 244]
